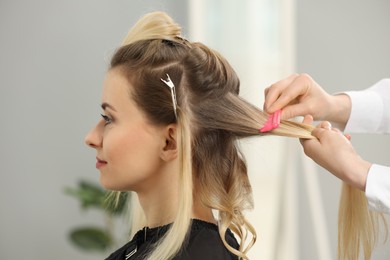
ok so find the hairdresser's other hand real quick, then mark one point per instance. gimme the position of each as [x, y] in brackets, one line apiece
[300, 95]
[334, 152]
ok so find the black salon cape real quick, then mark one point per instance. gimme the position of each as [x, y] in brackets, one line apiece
[204, 243]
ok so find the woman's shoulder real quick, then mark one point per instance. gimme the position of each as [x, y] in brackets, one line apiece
[205, 243]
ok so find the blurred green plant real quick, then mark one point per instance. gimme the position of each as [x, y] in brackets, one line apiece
[91, 195]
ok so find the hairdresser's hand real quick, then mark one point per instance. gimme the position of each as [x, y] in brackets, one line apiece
[300, 95]
[334, 152]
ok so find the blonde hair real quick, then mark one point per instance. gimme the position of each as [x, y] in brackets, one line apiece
[358, 227]
[211, 117]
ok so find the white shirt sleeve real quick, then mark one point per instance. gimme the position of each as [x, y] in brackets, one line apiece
[378, 188]
[370, 111]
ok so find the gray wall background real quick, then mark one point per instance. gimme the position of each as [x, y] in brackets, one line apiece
[343, 45]
[53, 58]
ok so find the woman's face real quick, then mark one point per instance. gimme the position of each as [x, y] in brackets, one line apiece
[127, 146]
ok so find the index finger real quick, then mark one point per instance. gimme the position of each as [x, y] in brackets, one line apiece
[282, 97]
[273, 92]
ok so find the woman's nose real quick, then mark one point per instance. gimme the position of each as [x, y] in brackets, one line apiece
[94, 138]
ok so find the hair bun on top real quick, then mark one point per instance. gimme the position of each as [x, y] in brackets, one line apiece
[155, 25]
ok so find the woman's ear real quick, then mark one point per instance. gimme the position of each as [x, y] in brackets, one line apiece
[170, 147]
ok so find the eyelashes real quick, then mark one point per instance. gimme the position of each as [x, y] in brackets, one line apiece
[107, 119]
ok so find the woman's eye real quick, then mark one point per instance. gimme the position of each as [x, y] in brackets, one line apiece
[107, 119]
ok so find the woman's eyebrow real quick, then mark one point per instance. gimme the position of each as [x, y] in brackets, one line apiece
[106, 105]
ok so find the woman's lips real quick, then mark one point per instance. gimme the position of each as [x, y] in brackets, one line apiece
[100, 163]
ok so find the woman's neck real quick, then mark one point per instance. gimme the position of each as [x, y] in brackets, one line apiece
[201, 212]
[161, 209]
[160, 204]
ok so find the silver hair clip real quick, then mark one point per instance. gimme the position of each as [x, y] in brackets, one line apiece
[170, 84]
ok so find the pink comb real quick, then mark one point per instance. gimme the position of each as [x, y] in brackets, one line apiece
[272, 122]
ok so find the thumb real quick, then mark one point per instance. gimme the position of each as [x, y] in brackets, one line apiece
[308, 119]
